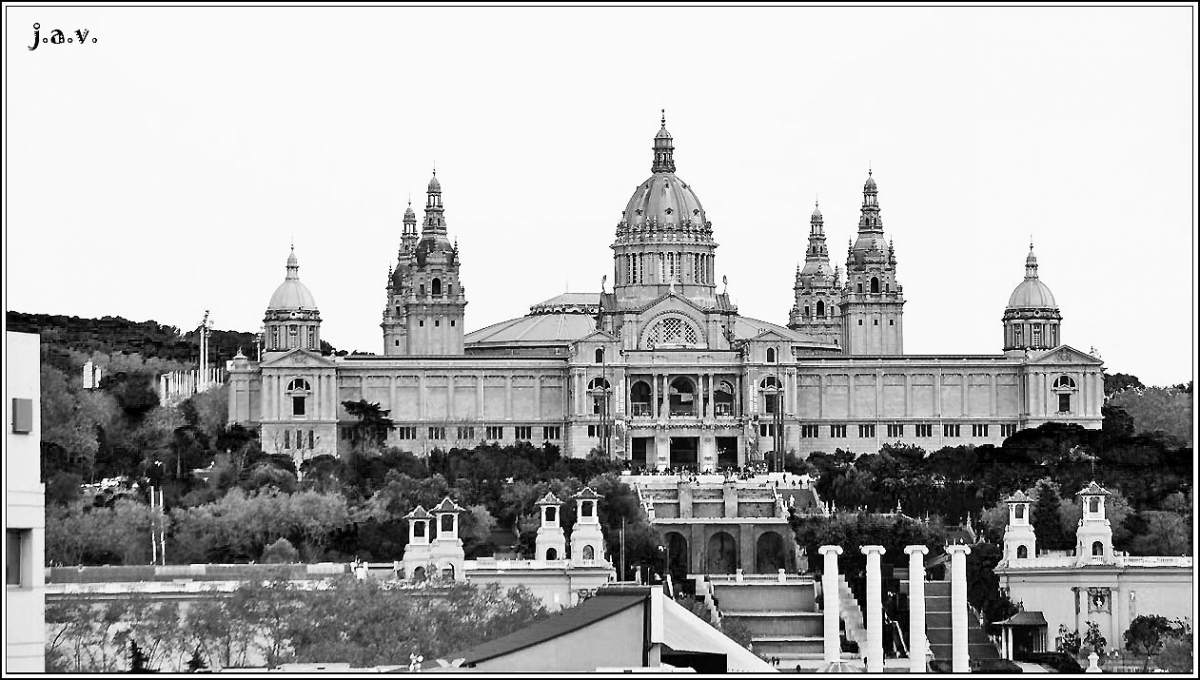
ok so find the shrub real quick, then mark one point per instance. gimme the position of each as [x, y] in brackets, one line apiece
[280, 552]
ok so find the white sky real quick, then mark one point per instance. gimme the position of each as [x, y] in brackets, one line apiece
[163, 169]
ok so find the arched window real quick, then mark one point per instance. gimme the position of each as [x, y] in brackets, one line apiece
[1022, 552]
[672, 331]
[1097, 549]
[682, 397]
[806, 311]
[770, 355]
[639, 398]
[771, 387]
[769, 382]
[599, 389]
[820, 308]
[589, 553]
[448, 572]
[874, 285]
[436, 287]
[551, 554]
[723, 399]
[299, 390]
[599, 355]
[1064, 382]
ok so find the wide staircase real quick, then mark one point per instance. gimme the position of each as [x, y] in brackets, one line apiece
[782, 616]
[938, 627]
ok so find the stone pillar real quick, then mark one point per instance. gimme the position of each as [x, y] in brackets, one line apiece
[1114, 599]
[916, 608]
[960, 663]
[874, 609]
[832, 602]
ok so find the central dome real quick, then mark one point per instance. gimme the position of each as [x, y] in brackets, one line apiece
[664, 200]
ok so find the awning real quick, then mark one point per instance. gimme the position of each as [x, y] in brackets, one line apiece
[684, 632]
[1024, 619]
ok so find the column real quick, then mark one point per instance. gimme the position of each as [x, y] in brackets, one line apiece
[1114, 598]
[960, 663]
[654, 406]
[916, 607]
[833, 601]
[874, 609]
[708, 402]
[702, 405]
[665, 406]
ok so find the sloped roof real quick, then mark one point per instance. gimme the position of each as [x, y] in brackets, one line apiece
[587, 493]
[584, 614]
[1024, 619]
[549, 499]
[447, 505]
[419, 513]
[1093, 489]
[1018, 497]
[683, 631]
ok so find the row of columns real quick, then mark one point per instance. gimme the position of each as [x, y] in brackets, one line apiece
[960, 662]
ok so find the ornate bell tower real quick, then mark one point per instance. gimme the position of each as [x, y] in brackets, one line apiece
[817, 296]
[395, 327]
[426, 299]
[1020, 542]
[873, 300]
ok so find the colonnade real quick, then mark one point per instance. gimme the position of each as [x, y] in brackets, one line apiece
[918, 644]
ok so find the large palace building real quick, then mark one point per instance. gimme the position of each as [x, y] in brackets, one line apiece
[661, 370]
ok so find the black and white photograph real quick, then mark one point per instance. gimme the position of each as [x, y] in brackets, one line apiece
[599, 338]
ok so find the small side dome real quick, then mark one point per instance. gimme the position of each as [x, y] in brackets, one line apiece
[817, 212]
[1031, 293]
[292, 294]
[435, 187]
[870, 185]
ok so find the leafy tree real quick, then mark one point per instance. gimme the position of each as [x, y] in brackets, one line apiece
[373, 424]
[1176, 655]
[1146, 635]
[1157, 532]
[983, 586]
[1046, 519]
[280, 552]
[1118, 382]
[1165, 412]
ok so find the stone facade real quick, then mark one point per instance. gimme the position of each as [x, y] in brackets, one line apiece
[662, 370]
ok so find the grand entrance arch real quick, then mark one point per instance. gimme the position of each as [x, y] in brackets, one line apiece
[677, 549]
[769, 556]
[722, 554]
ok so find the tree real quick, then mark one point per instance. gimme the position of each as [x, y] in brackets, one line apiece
[1047, 519]
[280, 552]
[983, 586]
[1118, 382]
[1146, 635]
[1165, 412]
[373, 424]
